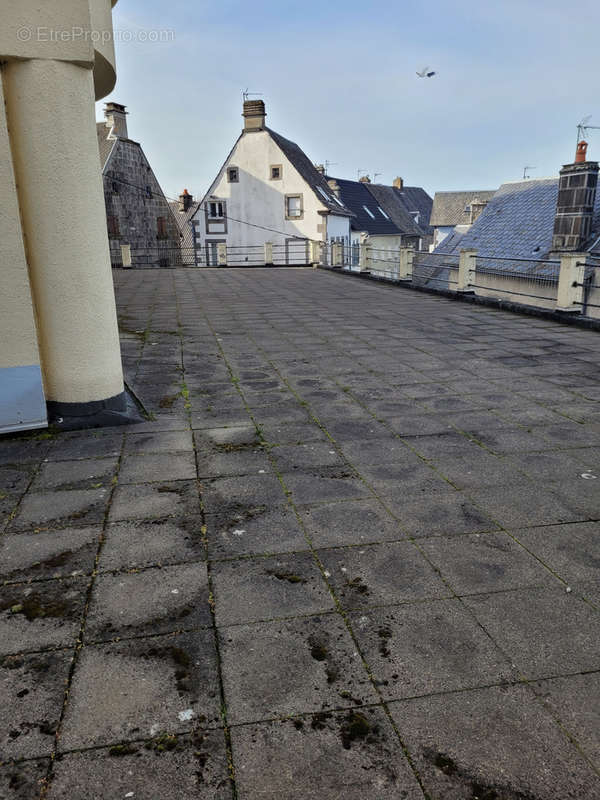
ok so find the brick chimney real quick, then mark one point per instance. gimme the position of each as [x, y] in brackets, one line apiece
[398, 183]
[320, 168]
[185, 200]
[334, 186]
[364, 179]
[116, 121]
[254, 115]
[575, 203]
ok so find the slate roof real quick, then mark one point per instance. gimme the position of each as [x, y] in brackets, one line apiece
[311, 175]
[390, 200]
[449, 207]
[356, 196]
[183, 217]
[416, 199]
[105, 145]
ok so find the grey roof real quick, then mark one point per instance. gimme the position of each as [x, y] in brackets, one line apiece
[449, 207]
[357, 197]
[391, 202]
[311, 175]
[183, 217]
[416, 199]
[105, 145]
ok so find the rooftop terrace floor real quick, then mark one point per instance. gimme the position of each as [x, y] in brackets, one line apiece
[356, 555]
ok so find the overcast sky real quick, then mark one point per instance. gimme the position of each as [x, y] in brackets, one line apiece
[338, 77]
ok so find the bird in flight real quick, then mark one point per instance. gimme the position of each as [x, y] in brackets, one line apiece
[426, 73]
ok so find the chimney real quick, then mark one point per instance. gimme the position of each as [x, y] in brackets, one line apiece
[398, 183]
[185, 200]
[575, 203]
[477, 207]
[334, 186]
[364, 179]
[254, 115]
[320, 169]
[116, 121]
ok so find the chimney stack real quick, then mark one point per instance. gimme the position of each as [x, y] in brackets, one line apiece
[254, 115]
[334, 186]
[320, 169]
[477, 207]
[185, 201]
[575, 204]
[116, 120]
[364, 179]
[398, 183]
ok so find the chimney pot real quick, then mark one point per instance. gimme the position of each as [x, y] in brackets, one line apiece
[185, 200]
[580, 154]
[398, 183]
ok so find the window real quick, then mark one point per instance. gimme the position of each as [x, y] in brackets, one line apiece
[370, 213]
[149, 192]
[233, 175]
[416, 216]
[216, 209]
[276, 172]
[324, 194]
[161, 224]
[293, 206]
[113, 226]
[382, 212]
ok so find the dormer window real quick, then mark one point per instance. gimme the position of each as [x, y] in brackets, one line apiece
[216, 209]
[416, 216]
[233, 175]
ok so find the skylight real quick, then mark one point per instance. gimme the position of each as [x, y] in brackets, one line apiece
[324, 193]
[370, 213]
[382, 212]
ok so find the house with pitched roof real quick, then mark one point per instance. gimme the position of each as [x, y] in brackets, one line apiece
[456, 212]
[524, 230]
[142, 230]
[381, 217]
[183, 210]
[267, 191]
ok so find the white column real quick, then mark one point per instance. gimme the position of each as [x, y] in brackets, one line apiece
[570, 282]
[405, 272]
[466, 270]
[221, 254]
[50, 110]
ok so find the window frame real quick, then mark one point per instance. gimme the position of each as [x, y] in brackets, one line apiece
[289, 197]
[278, 177]
[236, 179]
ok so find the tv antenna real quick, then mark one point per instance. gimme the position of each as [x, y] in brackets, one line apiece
[584, 127]
[246, 94]
[359, 172]
[376, 175]
[525, 175]
[328, 164]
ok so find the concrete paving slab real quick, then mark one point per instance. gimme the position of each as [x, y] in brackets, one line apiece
[151, 601]
[23, 780]
[157, 467]
[485, 562]
[55, 554]
[60, 509]
[33, 691]
[352, 522]
[140, 689]
[347, 756]
[41, 615]
[169, 766]
[274, 669]
[380, 574]
[91, 473]
[428, 647]
[159, 442]
[248, 590]
[544, 631]
[135, 544]
[155, 500]
[444, 513]
[492, 742]
[253, 531]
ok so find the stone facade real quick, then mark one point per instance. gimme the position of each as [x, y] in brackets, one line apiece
[134, 205]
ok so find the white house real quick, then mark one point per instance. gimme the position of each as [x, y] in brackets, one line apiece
[267, 191]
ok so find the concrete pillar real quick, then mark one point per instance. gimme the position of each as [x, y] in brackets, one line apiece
[570, 283]
[316, 249]
[50, 110]
[336, 254]
[466, 270]
[405, 268]
[268, 253]
[221, 254]
[364, 258]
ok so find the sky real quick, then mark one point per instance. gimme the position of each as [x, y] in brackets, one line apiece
[338, 77]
